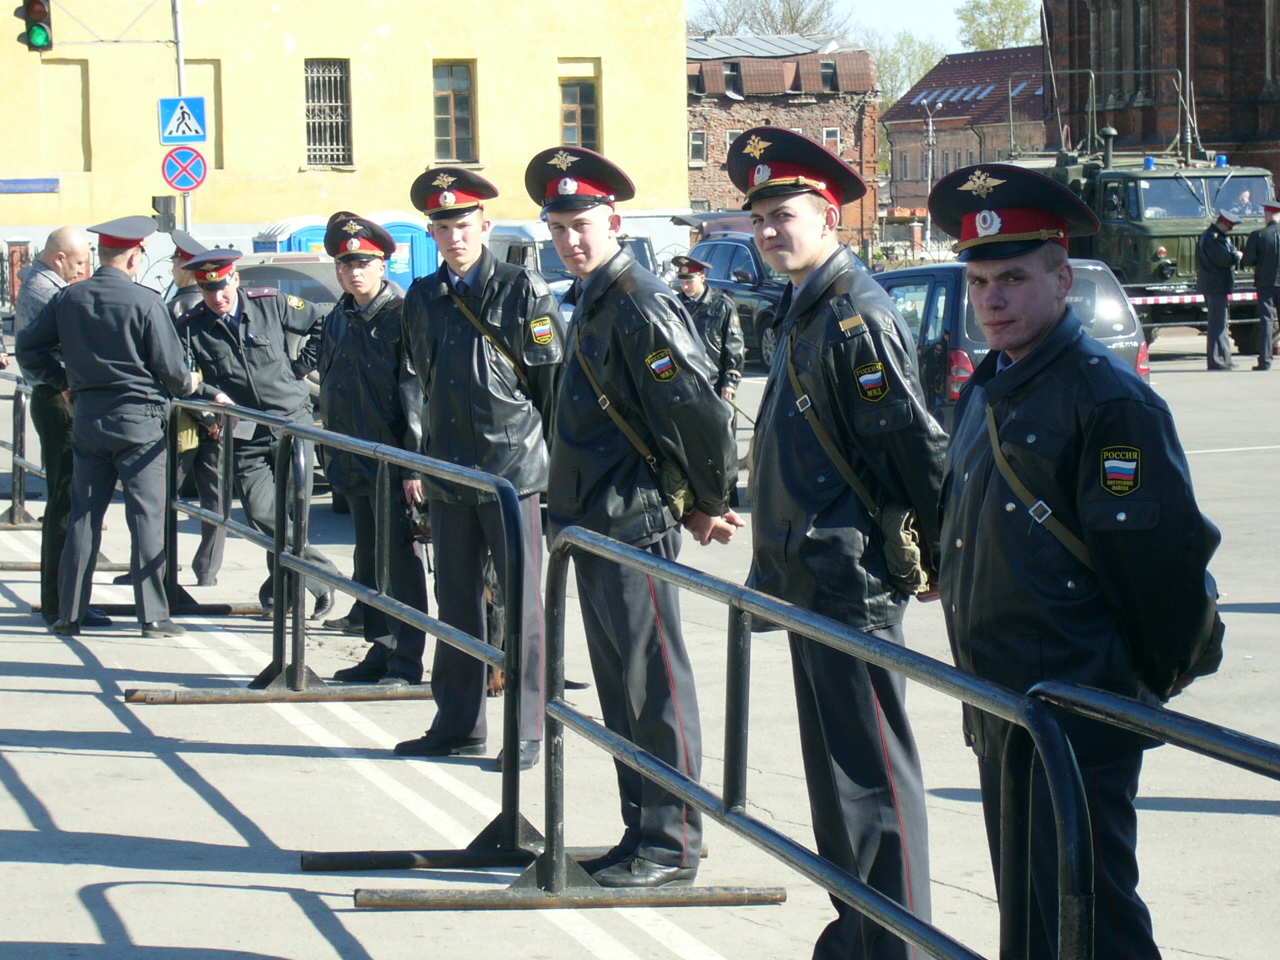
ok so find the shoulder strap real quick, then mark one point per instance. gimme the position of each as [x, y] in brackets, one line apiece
[497, 344]
[805, 406]
[1038, 509]
[614, 415]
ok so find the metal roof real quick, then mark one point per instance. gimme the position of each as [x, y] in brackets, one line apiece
[718, 47]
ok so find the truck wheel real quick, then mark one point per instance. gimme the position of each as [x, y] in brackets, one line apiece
[768, 344]
[1245, 336]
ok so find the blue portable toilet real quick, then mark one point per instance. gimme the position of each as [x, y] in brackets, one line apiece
[416, 253]
[303, 234]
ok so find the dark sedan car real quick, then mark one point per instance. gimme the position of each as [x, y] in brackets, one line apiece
[934, 301]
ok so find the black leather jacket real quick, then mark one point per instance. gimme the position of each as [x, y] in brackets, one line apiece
[1262, 252]
[716, 321]
[646, 355]
[814, 543]
[478, 413]
[1215, 262]
[367, 388]
[252, 365]
[1095, 443]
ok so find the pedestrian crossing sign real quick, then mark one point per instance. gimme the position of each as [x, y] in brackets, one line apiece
[182, 120]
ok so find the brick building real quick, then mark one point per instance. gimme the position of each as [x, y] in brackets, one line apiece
[818, 86]
[977, 107]
[1136, 52]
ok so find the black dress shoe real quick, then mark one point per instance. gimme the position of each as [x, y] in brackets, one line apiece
[529, 750]
[441, 745]
[324, 604]
[207, 582]
[369, 670]
[93, 617]
[640, 872]
[155, 629]
[123, 580]
[621, 853]
[65, 628]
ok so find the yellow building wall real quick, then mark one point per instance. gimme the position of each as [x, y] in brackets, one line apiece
[87, 111]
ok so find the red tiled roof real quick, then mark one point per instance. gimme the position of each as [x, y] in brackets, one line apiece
[855, 73]
[976, 86]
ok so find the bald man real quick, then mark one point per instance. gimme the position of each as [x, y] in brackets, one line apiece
[64, 261]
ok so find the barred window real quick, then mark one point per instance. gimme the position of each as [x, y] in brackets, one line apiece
[455, 121]
[579, 117]
[328, 113]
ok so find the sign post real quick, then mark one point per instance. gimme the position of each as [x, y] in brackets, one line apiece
[182, 120]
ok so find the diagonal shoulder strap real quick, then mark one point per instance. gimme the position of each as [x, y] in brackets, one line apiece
[1038, 509]
[805, 406]
[602, 398]
[497, 344]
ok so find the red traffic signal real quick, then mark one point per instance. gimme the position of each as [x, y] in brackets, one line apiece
[37, 15]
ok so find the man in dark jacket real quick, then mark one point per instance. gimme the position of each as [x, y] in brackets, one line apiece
[238, 342]
[110, 346]
[1262, 252]
[845, 370]
[369, 391]
[716, 320]
[486, 339]
[631, 339]
[1216, 261]
[1072, 546]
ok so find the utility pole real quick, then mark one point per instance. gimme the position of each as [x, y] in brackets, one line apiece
[930, 142]
[182, 92]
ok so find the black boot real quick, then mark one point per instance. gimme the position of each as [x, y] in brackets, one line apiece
[369, 670]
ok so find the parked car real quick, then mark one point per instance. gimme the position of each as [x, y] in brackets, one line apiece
[738, 269]
[529, 244]
[934, 300]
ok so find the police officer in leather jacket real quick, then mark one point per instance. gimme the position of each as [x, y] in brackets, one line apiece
[629, 333]
[238, 341]
[369, 391]
[716, 321]
[485, 338]
[815, 543]
[1262, 252]
[1090, 565]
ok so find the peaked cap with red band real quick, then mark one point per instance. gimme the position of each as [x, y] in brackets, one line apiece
[213, 268]
[773, 162]
[450, 192]
[185, 246]
[572, 178]
[125, 232]
[349, 237]
[1271, 206]
[689, 267]
[998, 211]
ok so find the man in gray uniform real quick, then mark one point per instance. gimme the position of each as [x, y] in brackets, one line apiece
[122, 362]
[1262, 252]
[369, 391]
[486, 339]
[1216, 261]
[631, 339]
[64, 260]
[843, 421]
[237, 340]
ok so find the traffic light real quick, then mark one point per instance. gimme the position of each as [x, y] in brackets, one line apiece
[37, 15]
[166, 208]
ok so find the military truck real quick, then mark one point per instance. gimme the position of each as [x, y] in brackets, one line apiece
[1153, 211]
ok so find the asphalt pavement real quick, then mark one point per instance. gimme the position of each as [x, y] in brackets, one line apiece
[174, 831]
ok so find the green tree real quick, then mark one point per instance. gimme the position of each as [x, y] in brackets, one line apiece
[768, 17]
[995, 24]
[900, 60]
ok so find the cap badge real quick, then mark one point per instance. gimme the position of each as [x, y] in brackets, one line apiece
[448, 198]
[981, 183]
[761, 174]
[567, 187]
[562, 159]
[352, 227]
[987, 222]
[353, 244]
[755, 147]
[443, 181]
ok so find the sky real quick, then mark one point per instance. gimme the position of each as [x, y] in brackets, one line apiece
[924, 17]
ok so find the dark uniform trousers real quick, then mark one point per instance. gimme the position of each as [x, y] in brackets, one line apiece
[129, 445]
[1217, 340]
[51, 416]
[406, 580]
[255, 482]
[462, 535]
[866, 790]
[1121, 920]
[205, 462]
[1268, 300]
[647, 695]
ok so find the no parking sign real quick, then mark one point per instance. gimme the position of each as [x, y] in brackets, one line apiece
[184, 168]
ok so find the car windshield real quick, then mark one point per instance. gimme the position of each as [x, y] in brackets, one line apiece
[1099, 302]
[1242, 196]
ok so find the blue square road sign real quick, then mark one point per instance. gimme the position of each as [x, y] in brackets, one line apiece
[182, 120]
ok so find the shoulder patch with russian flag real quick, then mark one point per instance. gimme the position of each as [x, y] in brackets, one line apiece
[542, 330]
[1121, 470]
[662, 365]
[873, 385]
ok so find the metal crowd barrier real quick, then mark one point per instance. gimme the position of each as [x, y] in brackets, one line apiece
[16, 517]
[553, 880]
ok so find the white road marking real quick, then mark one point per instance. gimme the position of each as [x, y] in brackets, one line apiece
[1274, 446]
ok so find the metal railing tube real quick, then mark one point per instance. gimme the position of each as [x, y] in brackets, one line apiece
[737, 710]
[554, 860]
[18, 505]
[512, 644]
[300, 487]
